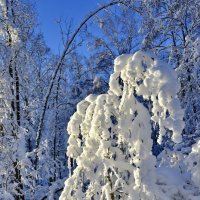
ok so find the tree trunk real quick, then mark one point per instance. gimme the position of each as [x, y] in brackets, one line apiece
[19, 188]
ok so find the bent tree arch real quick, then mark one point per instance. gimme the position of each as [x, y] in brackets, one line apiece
[65, 52]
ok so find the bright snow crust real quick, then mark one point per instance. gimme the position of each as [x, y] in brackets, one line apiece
[110, 145]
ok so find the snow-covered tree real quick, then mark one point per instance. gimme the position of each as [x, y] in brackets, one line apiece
[172, 30]
[189, 77]
[10, 153]
[25, 70]
[110, 145]
[193, 162]
[163, 27]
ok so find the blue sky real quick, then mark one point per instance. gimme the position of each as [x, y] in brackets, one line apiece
[49, 11]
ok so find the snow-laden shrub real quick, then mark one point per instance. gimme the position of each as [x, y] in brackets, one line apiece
[110, 145]
[193, 162]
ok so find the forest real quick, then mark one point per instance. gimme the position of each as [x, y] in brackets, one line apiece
[114, 116]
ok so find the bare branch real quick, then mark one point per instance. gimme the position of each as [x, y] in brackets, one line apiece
[60, 63]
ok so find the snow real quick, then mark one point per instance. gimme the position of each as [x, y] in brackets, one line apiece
[5, 196]
[193, 162]
[110, 145]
